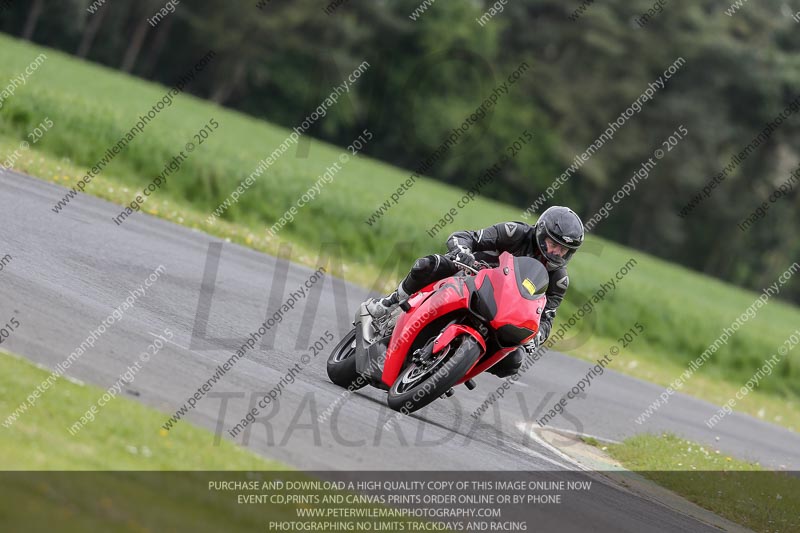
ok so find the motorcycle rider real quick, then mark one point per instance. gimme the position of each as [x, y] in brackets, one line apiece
[553, 240]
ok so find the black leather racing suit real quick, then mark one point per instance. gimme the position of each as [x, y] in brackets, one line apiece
[517, 238]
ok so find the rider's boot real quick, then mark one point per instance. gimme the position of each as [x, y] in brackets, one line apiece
[380, 307]
[509, 365]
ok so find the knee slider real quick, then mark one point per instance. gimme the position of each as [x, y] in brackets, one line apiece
[424, 265]
[515, 359]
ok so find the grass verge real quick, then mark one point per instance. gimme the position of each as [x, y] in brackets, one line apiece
[125, 435]
[742, 492]
[122, 472]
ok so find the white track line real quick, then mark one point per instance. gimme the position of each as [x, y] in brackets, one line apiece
[527, 427]
[577, 434]
[526, 450]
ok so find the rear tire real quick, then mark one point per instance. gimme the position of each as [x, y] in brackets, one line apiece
[408, 393]
[342, 364]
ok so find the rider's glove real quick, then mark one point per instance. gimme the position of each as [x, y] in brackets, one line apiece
[462, 254]
[532, 345]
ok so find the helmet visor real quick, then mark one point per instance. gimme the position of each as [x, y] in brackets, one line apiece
[556, 260]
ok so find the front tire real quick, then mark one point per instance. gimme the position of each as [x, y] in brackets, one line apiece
[342, 363]
[417, 386]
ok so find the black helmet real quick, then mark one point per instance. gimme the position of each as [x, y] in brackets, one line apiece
[563, 226]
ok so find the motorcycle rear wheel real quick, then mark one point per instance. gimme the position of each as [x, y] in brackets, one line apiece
[410, 393]
[342, 364]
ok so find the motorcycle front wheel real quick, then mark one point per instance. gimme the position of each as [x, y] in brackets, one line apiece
[420, 384]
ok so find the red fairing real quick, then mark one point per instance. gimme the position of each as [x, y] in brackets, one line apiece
[488, 363]
[512, 308]
[451, 332]
[452, 294]
[435, 300]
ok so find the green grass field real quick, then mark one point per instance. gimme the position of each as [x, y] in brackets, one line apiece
[742, 492]
[91, 107]
[123, 472]
[124, 436]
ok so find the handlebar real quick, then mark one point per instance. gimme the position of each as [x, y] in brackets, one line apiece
[471, 269]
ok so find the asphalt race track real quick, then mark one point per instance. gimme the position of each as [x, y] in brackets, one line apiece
[71, 270]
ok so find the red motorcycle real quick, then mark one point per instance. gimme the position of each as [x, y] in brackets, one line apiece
[445, 334]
